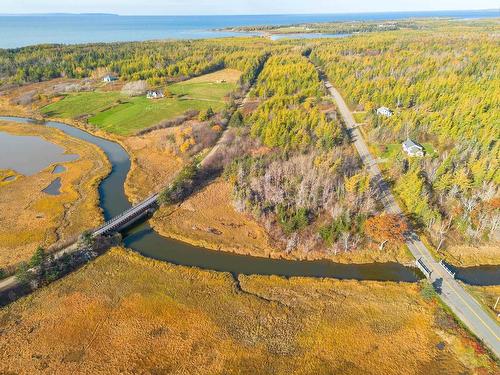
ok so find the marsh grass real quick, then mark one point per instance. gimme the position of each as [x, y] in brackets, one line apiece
[31, 218]
[123, 313]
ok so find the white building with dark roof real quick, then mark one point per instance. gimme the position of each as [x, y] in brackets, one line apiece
[412, 148]
[384, 111]
[154, 94]
[109, 78]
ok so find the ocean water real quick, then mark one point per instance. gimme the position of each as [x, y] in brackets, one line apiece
[25, 30]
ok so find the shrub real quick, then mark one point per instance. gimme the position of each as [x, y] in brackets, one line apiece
[181, 185]
[292, 220]
[236, 120]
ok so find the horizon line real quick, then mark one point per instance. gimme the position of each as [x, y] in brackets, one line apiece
[249, 14]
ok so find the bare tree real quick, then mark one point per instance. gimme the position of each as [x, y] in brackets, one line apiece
[135, 88]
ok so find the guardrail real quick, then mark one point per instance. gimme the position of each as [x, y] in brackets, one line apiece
[452, 274]
[422, 267]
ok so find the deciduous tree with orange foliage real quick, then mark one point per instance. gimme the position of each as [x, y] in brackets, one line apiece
[386, 228]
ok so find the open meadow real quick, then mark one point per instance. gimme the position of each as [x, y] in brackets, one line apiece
[126, 314]
[114, 112]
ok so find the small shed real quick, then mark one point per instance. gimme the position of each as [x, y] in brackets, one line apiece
[412, 148]
[109, 78]
[154, 94]
[384, 111]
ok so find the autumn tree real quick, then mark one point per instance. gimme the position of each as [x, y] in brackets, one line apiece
[386, 228]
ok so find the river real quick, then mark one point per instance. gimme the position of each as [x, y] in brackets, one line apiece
[147, 242]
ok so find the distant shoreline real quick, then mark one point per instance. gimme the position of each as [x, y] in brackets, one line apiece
[62, 14]
[61, 28]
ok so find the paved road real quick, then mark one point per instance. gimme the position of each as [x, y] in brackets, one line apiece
[453, 294]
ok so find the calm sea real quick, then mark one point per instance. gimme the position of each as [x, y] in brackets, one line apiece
[19, 31]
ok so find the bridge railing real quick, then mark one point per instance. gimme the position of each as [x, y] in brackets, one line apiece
[447, 269]
[127, 214]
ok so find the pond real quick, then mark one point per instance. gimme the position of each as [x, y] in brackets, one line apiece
[59, 169]
[29, 155]
[54, 187]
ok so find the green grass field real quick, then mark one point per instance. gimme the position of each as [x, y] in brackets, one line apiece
[119, 114]
[75, 105]
[139, 113]
[202, 90]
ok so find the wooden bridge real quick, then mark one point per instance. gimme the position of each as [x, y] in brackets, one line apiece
[128, 217]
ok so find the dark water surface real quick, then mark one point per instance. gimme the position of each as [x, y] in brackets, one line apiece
[54, 187]
[148, 243]
[23, 30]
[59, 169]
[29, 155]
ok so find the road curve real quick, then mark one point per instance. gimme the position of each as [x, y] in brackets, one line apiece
[465, 307]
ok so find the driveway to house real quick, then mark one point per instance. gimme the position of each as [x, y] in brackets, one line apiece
[465, 307]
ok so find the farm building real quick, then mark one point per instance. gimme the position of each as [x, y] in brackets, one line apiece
[109, 78]
[153, 94]
[412, 148]
[384, 111]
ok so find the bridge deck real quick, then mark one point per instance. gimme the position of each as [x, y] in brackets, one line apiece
[118, 221]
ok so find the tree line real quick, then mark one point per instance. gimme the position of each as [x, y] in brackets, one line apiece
[157, 61]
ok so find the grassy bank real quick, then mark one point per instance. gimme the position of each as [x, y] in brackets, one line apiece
[124, 313]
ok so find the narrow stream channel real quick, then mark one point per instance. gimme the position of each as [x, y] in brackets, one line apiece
[147, 242]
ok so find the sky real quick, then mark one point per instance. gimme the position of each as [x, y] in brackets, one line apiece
[219, 7]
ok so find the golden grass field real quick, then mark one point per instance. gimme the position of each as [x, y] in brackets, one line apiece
[228, 75]
[43, 219]
[468, 256]
[127, 314]
[153, 166]
[208, 219]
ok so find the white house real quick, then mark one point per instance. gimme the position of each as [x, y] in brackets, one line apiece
[109, 78]
[153, 94]
[412, 148]
[384, 111]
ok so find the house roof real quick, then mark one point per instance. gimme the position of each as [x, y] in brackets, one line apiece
[408, 144]
[384, 109]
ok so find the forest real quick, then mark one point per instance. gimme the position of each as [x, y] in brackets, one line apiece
[295, 170]
[305, 183]
[158, 62]
[444, 89]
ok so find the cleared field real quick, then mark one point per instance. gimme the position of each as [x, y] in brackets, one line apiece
[126, 314]
[213, 86]
[391, 150]
[116, 113]
[228, 75]
[139, 113]
[85, 103]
